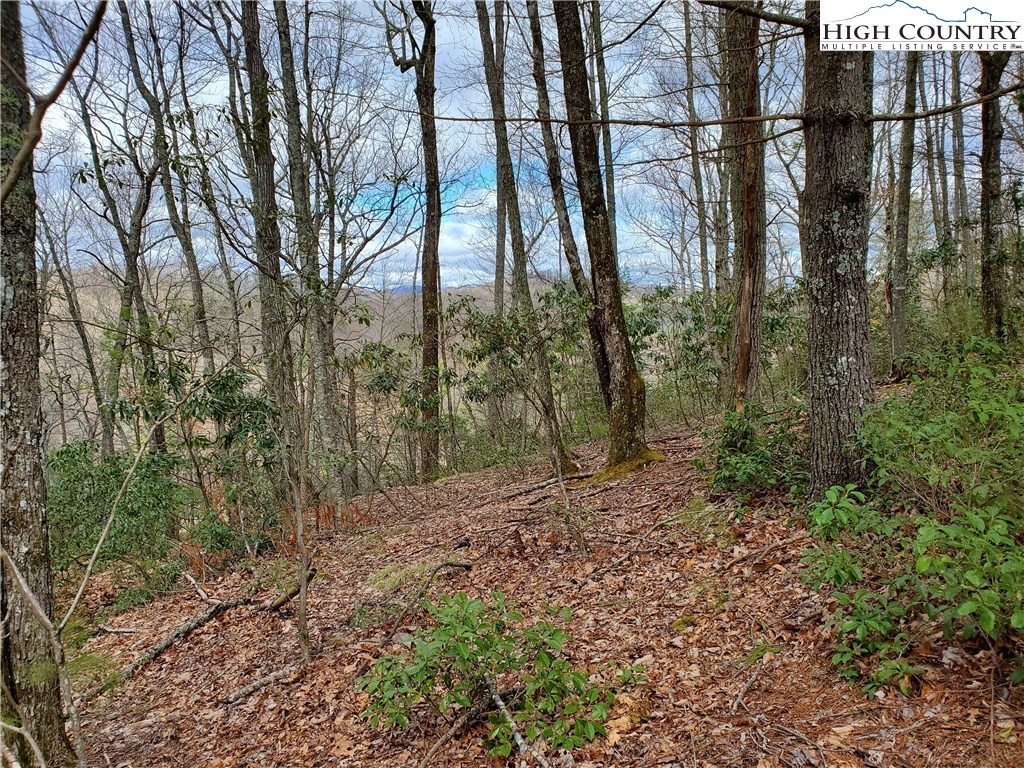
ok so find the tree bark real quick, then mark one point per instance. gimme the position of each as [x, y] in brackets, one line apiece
[423, 62]
[274, 316]
[28, 667]
[628, 391]
[901, 232]
[601, 75]
[993, 279]
[834, 236]
[750, 220]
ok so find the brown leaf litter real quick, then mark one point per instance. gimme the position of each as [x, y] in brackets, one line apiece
[657, 572]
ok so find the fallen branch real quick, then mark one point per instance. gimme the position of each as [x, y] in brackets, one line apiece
[738, 701]
[263, 682]
[151, 653]
[119, 630]
[545, 484]
[289, 594]
[467, 718]
[524, 747]
[365, 663]
[200, 591]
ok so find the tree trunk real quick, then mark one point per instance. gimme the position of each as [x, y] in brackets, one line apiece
[494, 415]
[554, 170]
[320, 305]
[750, 220]
[707, 300]
[901, 232]
[628, 391]
[834, 236]
[67, 281]
[993, 279]
[28, 668]
[561, 463]
[601, 75]
[423, 63]
[274, 315]
[961, 207]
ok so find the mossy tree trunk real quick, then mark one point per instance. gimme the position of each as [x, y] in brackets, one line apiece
[27, 665]
[628, 392]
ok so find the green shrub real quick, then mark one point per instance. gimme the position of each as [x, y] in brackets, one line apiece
[82, 487]
[473, 641]
[756, 452]
[947, 463]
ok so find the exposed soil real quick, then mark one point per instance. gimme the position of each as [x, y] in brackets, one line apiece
[736, 648]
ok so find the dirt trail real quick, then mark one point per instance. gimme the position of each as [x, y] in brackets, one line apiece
[735, 647]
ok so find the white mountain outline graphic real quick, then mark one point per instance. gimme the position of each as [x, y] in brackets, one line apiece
[910, 6]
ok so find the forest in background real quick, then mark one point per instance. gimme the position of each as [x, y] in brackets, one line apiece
[272, 261]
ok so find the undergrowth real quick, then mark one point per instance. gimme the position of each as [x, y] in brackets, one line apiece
[934, 541]
[474, 644]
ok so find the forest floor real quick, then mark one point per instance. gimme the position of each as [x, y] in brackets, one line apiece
[658, 571]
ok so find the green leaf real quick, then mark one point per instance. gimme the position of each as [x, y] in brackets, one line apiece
[987, 621]
[967, 608]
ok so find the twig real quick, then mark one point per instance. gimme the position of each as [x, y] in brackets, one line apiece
[738, 701]
[481, 706]
[619, 561]
[263, 682]
[797, 734]
[34, 132]
[200, 591]
[524, 748]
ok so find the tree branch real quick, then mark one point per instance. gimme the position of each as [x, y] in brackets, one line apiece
[35, 123]
[749, 9]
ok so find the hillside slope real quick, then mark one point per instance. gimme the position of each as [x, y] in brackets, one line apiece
[657, 572]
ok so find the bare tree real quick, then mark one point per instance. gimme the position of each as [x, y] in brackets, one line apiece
[522, 299]
[419, 55]
[901, 231]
